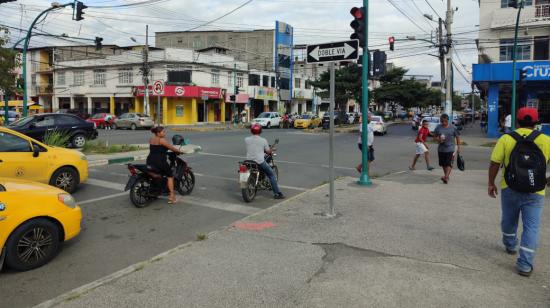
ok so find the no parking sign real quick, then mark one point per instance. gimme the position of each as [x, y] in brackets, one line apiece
[158, 87]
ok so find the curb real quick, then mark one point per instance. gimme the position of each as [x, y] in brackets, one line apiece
[117, 160]
[75, 293]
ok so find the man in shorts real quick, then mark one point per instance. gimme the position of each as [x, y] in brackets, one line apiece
[446, 135]
[421, 146]
[370, 144]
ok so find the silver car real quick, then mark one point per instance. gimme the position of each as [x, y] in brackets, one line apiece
[133, 121]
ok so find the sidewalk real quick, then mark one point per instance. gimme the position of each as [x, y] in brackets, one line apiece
[393, 245]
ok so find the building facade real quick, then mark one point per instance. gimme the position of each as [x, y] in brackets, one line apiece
[493, 75]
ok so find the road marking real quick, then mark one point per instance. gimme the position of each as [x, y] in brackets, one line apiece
[102, 198]
[106, 184]
[236, 181]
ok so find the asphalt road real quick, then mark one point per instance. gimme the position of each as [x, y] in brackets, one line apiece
[115, 234]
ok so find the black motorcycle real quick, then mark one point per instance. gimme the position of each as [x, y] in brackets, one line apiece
[147, 184]
[251, 177]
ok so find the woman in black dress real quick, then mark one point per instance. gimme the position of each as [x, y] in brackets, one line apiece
[158, 158]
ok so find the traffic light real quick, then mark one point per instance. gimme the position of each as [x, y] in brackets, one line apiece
[359, 25]
[78, 9]
[232, 98]
[391, 40]
[98, 41]
[236, 90]
[379, 63]
[522, 75]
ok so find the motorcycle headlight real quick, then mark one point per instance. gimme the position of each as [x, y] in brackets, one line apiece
[67, 199]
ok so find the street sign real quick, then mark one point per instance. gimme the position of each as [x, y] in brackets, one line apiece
[336, 51]
[158, 87]
[204, 97]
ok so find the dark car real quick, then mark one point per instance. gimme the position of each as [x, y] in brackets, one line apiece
[340, 117]
[36, 126]
[76, 112]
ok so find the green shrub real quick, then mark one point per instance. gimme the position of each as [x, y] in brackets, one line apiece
[102, 147]
[56, 138]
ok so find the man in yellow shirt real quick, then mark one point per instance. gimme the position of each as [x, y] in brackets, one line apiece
[513, 202]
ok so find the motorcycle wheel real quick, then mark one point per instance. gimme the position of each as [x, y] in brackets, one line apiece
[186, 184]
[139, 193]
[250, 191]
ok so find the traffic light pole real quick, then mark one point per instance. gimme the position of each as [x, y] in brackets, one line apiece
[514, 55]
[26, 46]
[364, 178]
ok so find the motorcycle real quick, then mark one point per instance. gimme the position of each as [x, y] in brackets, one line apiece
[146, 183]
[252, 179]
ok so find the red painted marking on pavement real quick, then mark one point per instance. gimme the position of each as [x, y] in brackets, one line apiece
[253, 226]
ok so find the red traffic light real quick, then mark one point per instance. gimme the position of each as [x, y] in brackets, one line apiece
[357, 13]
[391, 39]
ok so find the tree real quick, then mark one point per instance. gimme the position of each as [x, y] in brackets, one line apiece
[406, 92]
[347, 85]
[8, 63]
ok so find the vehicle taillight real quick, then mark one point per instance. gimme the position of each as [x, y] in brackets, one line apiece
[243, 169]
[132, 170]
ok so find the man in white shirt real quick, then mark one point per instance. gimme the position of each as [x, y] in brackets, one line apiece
[508, 124]
[370, 143]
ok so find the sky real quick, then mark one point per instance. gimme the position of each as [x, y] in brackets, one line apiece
[313, 21]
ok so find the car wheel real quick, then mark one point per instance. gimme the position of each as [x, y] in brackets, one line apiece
[113, 126]
[78, 140]
[65, 178]
[32, 244]
[133, 126]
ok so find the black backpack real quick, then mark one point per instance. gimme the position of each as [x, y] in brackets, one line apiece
[526, 171]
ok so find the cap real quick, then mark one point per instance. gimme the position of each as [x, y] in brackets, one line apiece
[531, 112]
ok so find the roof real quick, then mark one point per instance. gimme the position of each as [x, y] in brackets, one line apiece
[212, 48]
[65, 46]
[219, 31]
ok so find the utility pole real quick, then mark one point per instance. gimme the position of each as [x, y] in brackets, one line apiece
[514, 60]
[441, 60]
[448, 79]
[234, 94]
[146, 72]
[473, 106]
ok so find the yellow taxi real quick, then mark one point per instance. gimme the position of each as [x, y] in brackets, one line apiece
[34, 219]
[307, 121]
[22, 157]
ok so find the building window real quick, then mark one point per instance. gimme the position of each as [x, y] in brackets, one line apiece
[504, 3]
[216, 77]
[523, 51]
[229, 79]
[179, 77]
[273, 85]
[297, 83]
[541, 47]
[308, 84]
[33, 79]
[60, 78]
[265, 81]
[125, 76]
[240, 80]
[253, 80]
[78, 78]
[99, 77]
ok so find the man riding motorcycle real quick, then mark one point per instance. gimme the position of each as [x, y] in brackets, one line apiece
[256, 148]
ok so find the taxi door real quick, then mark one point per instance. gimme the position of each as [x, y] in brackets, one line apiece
[17, 159]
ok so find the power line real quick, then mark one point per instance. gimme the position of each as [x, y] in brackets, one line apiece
[428, 2]
[407, 16]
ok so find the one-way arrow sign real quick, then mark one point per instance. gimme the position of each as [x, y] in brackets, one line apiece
[336, 51]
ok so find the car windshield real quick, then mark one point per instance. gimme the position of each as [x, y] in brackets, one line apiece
[264, 115]
[22, 122]
[141, 115]
[98, 116]
[306, 116]
[432, 120]
[376, 119]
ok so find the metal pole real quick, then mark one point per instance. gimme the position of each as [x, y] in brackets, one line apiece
[6, 109]
[159, 119]
[234, 94]
[448, 81]
[331, 141]
[364, 179]
[473, 106]
[442, 60]
[146, 72]
[514, 55]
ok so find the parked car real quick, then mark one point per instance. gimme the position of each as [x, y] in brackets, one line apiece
[76, 112]
[99, 119]
[25, 158]
[307, 121]
[340, 118]
[133, 121]
[433, 122]
[12, 115]
[268, 119]
[36, 127]
[36, 218]
[378, 125]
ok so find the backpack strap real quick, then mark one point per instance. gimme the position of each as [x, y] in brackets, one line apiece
[516, 136]
[533, 135]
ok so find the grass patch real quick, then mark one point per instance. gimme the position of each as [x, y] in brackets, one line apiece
[102, 147]
[491, 144]
[201, 237]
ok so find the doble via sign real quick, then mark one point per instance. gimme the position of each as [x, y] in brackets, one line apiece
[336, 51]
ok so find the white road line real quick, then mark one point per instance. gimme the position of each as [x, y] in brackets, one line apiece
[235, 180]
[102, 198]
[105, 184]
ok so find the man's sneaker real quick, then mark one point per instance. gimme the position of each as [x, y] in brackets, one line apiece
[279, 196]
[525, 274]
[511, 251]
[430, 168]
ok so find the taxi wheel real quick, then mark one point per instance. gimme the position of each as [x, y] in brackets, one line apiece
[65, 178]
[33, 244]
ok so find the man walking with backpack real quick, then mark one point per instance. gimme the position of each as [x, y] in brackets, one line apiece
[524, 154]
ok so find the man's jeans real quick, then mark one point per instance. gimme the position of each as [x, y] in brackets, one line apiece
[530, 206]
[269, 172]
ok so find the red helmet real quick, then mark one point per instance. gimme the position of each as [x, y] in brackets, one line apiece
[256, 129]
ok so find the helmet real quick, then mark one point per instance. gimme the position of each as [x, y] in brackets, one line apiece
[256, 129]
[177, 140]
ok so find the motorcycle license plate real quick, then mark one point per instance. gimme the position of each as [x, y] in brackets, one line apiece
[131, 181]
[243, 177]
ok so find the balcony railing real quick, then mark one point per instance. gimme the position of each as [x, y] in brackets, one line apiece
[542, 10]
[44, 89]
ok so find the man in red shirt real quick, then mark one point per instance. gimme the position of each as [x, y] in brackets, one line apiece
[421, 146]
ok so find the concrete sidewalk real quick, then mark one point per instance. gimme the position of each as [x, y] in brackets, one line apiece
[409, 241]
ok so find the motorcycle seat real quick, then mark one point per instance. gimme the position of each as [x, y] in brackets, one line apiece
[152, 171]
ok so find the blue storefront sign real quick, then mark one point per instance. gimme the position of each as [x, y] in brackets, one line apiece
[495, 74]
[284, 58]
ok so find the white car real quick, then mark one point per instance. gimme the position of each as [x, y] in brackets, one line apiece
[268, 119]
[378, 125]
[433, 122]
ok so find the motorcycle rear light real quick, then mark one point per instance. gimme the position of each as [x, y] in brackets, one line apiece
[132, 169]
[243, 169]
